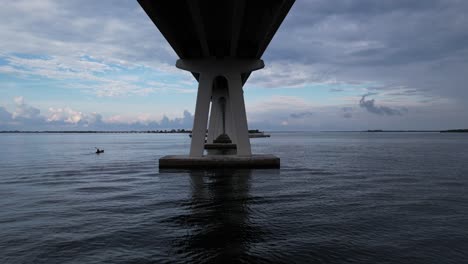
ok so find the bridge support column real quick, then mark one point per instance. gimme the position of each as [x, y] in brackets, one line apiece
[220, 85]
[211, 87]
[215, 127]
[201, 115]
[239, 116]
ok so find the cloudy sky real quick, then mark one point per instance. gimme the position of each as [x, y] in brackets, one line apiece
[333, 65]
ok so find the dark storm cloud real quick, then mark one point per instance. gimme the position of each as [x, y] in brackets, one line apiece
[405, 31]
[370, 106]
[422, 45]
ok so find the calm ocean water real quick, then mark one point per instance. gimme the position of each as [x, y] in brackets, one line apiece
[338, 198]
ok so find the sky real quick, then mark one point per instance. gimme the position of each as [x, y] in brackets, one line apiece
[333, 65]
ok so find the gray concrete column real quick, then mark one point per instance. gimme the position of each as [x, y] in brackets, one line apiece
[236, 95]
[215, 126]
[236, 119]
[205, 87]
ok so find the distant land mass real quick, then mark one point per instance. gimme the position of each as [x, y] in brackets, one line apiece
[441, 131]
[171, 131]
[253, 131]
[103, 132]
[455, 131]
[401, 131]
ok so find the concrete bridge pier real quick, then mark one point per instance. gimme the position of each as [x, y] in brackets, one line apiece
[220, 78]
[221, 42]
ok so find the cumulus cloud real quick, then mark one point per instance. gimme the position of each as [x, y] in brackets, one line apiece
[185, 121]
[26, 117]
[70, 116]
[5, 116]
[24, 110]
[371, 107]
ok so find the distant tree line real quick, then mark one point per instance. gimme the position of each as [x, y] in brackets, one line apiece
[165, 131]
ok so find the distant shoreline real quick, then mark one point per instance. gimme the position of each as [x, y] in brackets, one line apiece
[184, 131]
[419, 131]
[409, 131]
[172, 131]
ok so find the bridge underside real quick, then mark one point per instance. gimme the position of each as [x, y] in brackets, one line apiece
[220, 42]
[218, 28]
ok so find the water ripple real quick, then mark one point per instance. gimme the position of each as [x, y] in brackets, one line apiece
[339, 198]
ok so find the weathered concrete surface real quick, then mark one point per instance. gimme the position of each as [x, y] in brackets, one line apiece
[219, 161]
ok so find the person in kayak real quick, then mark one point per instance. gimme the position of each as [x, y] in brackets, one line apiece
[99, 151]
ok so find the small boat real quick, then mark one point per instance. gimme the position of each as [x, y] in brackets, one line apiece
[99, 151]
[259, 134]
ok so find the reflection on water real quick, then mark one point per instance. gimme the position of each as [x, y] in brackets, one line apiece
[220, 214]
[221, 230]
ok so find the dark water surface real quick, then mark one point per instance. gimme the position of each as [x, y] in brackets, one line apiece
[338, 198]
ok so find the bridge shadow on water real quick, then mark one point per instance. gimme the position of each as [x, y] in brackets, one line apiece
[219, 223]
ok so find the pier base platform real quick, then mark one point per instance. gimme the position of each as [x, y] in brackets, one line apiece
[219, 161]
